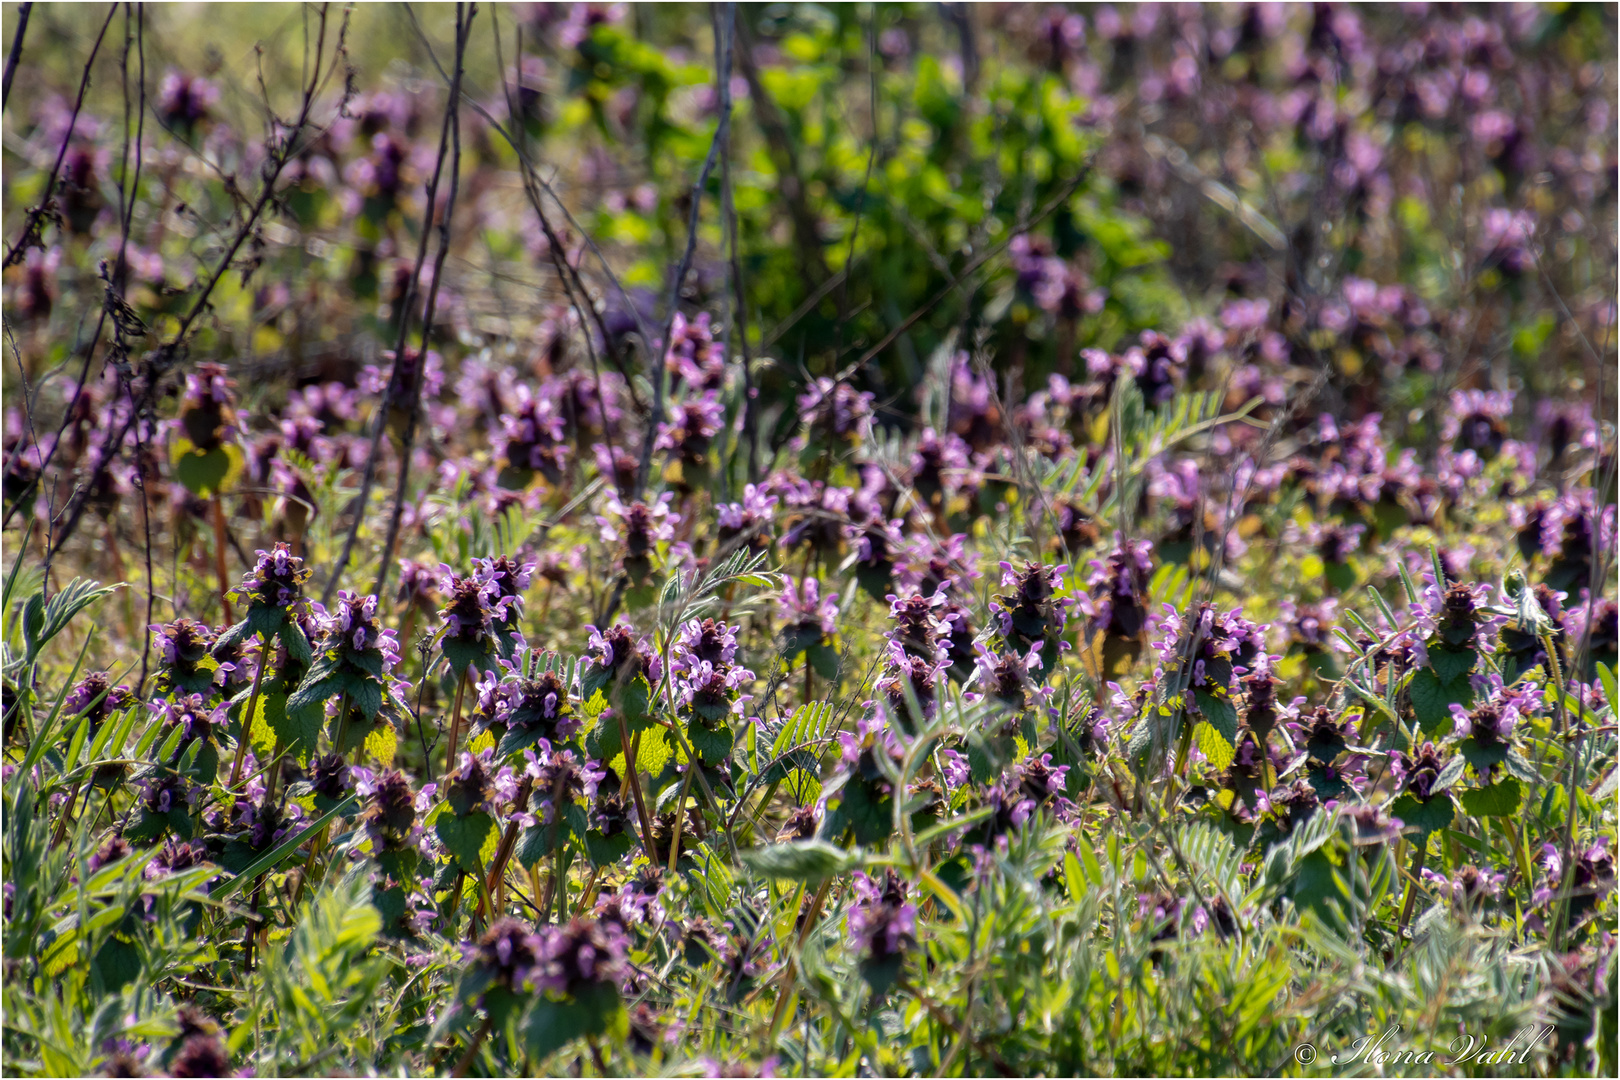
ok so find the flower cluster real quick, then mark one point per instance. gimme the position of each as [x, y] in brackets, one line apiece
[707, 682]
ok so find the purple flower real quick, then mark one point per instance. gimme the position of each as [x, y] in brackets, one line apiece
[882, 922]
[711, 691]
[1223, 644]
[747, 523]
[532, 436]
[511, 579]
[166, 793]
[618, 651]
[926, 566]
[192, 714]
[1468, 887]
[1115, 597]
[939, 465]
[275, 583]
[353, 624]
[1030, 614]
[390, 812]
[802, 608]
[584, 954]
[185, 100]
[182, 647]
[835, 412]
[560, 780]
[1476, 421]
[704, 641]
[506, 955]
[419, 584]
[1008, 677]
[208, 410]
[519, 703]
[468, 615]
[693, 358]
[918, 675]
[1417, 774]
[638, 526]
[96, 698]
[688, 435]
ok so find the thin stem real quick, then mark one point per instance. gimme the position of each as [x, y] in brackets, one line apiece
[455, 722]
[219, 559]
[247, 715]
[680, 814]
[16, 51]
[497, 866]
[477, 1043]
[784, 991]
[17, 252]
[634, 781]
[1412, 882]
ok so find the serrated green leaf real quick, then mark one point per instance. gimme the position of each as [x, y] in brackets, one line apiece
[1432, 700]
[1213, 745]
[1449, 664]
[712, 747]
[366, 695]
[472, 840]
[1428, 817]
[1500, 799]
[1220, 713]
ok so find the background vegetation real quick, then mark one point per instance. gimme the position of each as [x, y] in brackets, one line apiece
[808, 538]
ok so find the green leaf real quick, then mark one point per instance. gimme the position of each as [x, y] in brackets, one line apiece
[203, 472]
[43, 621]
[1521, 768]
[518, 739]
[381, 742]
[539, 840]
[471, 839]
[314, 693]
[171, 744]
[465, 654]
[292, 636]
[119, 963]
[551, 1025]
[1073, 878]
[1449, 664]
[653, 754]
[810, 861]
[824, 659]
[1450, 773]
[1428, 817]
[1214, 745]
[712, 747]
[367, 696]
[1432, 700]
[635, 699]
[606, 850]
[602, 740]
[1317, 888]
[855, 806]
[1482, 757]
[1220, 714]
[1500, 799]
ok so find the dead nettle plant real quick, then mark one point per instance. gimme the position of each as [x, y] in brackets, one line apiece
[917, 542]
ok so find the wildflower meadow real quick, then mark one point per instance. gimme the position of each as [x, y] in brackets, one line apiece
[809, 539]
